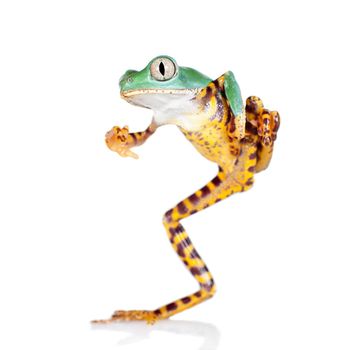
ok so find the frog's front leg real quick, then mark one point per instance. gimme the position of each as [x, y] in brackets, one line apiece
[120, 140]
[222, 186]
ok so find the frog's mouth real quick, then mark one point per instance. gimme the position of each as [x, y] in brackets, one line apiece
[159, 99]
[130, 93]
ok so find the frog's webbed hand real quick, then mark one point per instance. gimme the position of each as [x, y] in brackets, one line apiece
[264, 124]
[120, 140]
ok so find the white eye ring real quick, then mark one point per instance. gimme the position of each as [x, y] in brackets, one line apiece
[163, 68]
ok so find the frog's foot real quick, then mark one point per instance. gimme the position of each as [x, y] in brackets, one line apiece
[266, 122]
[118, 140]
[134, 315]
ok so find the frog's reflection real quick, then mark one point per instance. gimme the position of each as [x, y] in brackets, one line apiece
[140, 331]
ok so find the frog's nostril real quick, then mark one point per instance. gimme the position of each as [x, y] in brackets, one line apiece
[127, 78]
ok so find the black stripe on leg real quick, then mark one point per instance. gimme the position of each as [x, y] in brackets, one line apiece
[216, 181]
[205, 191]
[194, 199]
[157, 312]
[186, 300]
[198, 294]
[171, 307]
[134, 138]
[182, 209]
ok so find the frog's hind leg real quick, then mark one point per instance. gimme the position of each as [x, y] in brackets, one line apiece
[222, 186]
[188, 254]
[195, 264]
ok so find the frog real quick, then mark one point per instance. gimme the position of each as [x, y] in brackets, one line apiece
[211, 114]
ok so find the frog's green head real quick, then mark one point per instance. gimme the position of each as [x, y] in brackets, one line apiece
[161, 76]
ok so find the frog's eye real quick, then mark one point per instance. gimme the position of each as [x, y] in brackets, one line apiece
[163, 68]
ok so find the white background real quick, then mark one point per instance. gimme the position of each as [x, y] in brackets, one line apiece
[81, 231]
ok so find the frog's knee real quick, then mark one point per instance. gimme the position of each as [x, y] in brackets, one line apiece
[209, 288]
[168, 217]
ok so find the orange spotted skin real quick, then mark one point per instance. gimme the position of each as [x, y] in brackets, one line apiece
[241, 148]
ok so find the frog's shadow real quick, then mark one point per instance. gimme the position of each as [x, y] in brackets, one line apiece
[140, 331]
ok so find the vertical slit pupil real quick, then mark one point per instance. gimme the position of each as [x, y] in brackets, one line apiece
[161, 68]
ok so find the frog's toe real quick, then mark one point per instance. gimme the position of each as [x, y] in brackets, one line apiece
[268, 126]
[254, 105]
[133, 315]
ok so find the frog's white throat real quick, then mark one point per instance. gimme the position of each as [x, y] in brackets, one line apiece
[169, 106]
